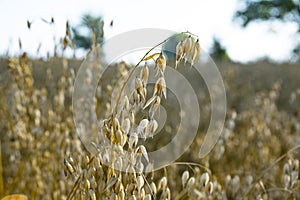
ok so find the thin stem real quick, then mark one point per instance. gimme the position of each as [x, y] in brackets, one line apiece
[123, 86]
[192, 164]
[281, 190]
[190, 33]
[74, 188]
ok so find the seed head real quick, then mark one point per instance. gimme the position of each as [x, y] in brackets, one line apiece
[195, 51]
[68, 167]
[162, 183]
[142, 126]
[144, 75]
[187, 45]
[160, 87]
[133, 140]
[179, 53]
[151, 128]
[190, 183]
[126, 125]
[204, 179]
[160, 64]
[153, 188]
[138, 83]
[210, 188]
[142, 149]
[140, 182]
[184, 178]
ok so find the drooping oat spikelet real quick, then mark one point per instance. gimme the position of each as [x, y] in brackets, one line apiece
[140, 182]
[160, 64]
[138, 84]
[154, 107]
[133, 140]
[68, 168]
[153, 188]
[142, 127]
[125, 103]
[204, 179]
[126, 125]
[195, 51]
[184, 178]
[160, 87]
[144, 74]
[190, 183]
[135, 98]
[235, 184]
[210, 188]
[151, 128]
[131, 117]
[187, 45]
[120, 138]
[142, 150]
[179, 53]
[162, 183]
[139, 94]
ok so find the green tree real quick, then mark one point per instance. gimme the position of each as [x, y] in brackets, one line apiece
[218, 51]
[285, 10]
[88, 32]
[260, 10]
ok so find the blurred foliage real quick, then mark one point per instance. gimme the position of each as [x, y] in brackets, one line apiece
[283, 10]
[286, 10]
[218, 51]
[88, 32]
[38, 134]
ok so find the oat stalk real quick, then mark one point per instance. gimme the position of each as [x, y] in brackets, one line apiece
[193, 164]
[74, 189]
[132, 71]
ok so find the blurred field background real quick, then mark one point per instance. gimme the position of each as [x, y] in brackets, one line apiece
[262, 124]
[256, 157]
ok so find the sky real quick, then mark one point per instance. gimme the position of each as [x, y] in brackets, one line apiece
[205, 18]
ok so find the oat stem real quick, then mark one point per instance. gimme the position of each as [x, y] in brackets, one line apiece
[187, 32]
[126, 81]
[74, 189]
[192, 164]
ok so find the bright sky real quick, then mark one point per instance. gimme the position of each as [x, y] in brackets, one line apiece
[206, 18]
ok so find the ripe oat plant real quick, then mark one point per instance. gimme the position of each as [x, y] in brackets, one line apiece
[120, 139]
[121, 131]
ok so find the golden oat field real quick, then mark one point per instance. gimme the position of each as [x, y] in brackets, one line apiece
[42, 157]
